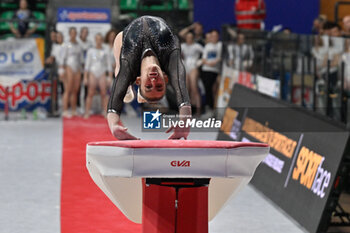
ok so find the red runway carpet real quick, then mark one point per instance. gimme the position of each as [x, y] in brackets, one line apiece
[84, 207]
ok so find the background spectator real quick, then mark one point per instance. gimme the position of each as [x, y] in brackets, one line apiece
[197, 29]
[109, 42]
[250, 14]
[73, 58]
[331, 29]
[23, 16]
[346, 60]
[191, 52]
[319, 52]
[241, 55]
[85, 44]
[96, 65]
[53, 41]
[83, 40]
[49, 44]
[317, 26]
[346, 26]
[211, 65]
[57, 53]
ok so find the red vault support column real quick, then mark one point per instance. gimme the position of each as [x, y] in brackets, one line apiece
[161, 213]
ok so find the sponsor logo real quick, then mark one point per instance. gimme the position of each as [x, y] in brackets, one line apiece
[309, 172]
[151, 120]
[39, 92]
[13, 58]
[277, 141]
[177, 163]
[83, 15]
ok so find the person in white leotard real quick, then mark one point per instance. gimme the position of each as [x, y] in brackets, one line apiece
[97, 64]
[191, 52]
[85, 44]
[57, 53]
[73, 58]
[83, 40]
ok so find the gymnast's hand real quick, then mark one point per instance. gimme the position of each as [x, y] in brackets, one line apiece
[181, 132]
[121, 133]
[178, 132]
[117, 129]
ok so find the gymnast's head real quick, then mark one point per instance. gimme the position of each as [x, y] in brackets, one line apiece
[152, 83]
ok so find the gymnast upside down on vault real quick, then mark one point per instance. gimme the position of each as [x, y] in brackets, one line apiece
[147, 53]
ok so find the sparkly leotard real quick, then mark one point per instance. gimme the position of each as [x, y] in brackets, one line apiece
[148, 34]
[98, 62]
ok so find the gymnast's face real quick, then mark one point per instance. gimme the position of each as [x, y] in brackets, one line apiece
[152, 83]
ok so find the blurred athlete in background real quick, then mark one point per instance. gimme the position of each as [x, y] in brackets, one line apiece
[191, 52]
[97, 64]
[73, 59]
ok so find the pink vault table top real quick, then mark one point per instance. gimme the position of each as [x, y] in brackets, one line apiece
[176, 144]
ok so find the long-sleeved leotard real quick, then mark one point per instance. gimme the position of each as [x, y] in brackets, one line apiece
[146, 34]
[72, 56]
[98, 62]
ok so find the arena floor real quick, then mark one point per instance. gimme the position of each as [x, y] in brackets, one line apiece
[30, 178]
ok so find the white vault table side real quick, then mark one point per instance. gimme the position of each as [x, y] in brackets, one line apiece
[118, 171]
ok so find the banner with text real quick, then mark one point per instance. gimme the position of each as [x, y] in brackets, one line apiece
[300, 172]
[21, 59]
[97, 20]
[27, 94]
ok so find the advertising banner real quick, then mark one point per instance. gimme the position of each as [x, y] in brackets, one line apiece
[268, 86]
[27, 94]
[23, 80]
[21, 59]
[230, 76]
[96, 19]
[300, 172]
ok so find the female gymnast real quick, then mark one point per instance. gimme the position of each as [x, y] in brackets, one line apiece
[97, 64]
[73, 59]
[191, 52]
[148, 53]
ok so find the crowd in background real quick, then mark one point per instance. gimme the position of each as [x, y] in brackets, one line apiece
[331, 48]
[202, 58]
[82, 65]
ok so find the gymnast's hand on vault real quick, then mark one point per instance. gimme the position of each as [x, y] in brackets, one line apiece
[121, 133]
[178, 132]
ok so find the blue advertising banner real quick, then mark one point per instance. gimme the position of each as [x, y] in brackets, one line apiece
[83, 15]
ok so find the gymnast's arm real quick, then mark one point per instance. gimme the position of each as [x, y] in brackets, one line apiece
[177, 76]
[119, 88]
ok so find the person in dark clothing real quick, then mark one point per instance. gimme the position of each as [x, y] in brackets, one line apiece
[149, 54]
[22, 16]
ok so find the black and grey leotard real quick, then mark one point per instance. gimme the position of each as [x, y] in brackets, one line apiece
[142, 35]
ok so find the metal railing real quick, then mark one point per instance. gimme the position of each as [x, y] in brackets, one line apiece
[290, 59]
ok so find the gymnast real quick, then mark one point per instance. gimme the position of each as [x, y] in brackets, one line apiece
[147, 53]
